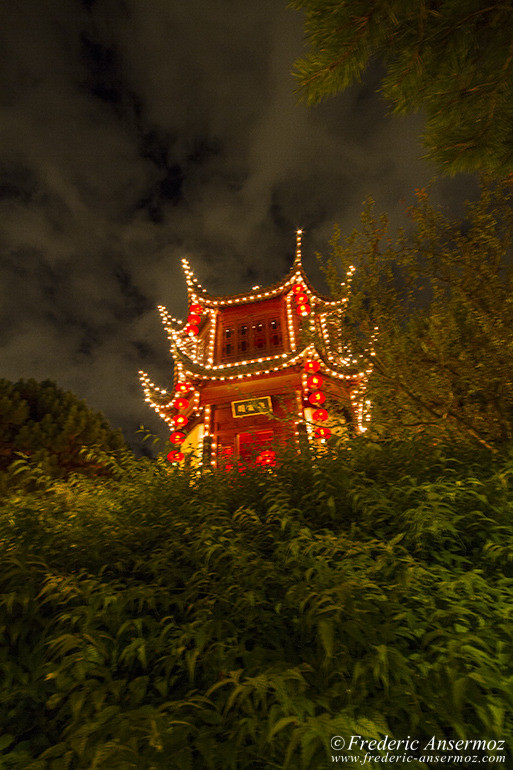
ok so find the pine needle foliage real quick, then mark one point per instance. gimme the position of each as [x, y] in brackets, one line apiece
[430, 311]
[165, 619]
[450, 59]
[43, 433]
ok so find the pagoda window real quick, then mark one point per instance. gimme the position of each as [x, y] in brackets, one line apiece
[275, 337]
[245, 341]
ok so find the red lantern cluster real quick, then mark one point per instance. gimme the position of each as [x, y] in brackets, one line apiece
[316, 397]
[179, 420]
[193, 319]
[301, 298]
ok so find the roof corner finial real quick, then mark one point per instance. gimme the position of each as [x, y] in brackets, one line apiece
[189, 275]
[297, 258]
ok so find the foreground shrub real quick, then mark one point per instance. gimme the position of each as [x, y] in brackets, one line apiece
[174, 620]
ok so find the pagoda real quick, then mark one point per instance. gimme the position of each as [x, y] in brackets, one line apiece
[256, 371]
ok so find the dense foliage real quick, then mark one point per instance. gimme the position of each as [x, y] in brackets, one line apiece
[46, 428]
[165, 619]
[452, 59]
[430, 311]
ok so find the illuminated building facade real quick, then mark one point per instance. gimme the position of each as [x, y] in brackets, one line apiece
[256, 371]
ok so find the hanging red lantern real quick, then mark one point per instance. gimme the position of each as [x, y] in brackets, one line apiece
[193, 319]
[196, 309]
[175, 456]
[180, 420]
[303, 310]
[322, 432]
[177, 437]
[298, 288]
[320, 415]
[191, 330]
[301, 299]
[314, 382]
[182, 387]
[180, 403]
[312, 366]
[317, 398]
[267, 457]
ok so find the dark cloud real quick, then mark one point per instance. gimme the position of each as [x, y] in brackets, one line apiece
[134, 133]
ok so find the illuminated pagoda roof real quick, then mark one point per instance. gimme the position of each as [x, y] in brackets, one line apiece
[193, 343]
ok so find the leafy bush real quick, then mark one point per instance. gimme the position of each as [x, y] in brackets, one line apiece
[166, 619]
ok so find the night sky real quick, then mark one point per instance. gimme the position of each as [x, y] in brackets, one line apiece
[137, 132]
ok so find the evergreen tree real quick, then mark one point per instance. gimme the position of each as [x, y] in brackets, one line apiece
[50, 427]
[431, 313]
[452, 59]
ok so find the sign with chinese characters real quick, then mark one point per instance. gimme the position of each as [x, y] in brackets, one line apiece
[251, 406]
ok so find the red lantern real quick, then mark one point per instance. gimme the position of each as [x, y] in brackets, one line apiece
[177, 437]
[317, 398]
[180, 420]
[175, 456]
[180, 403]
[298, 288]
[191, 330]
[301, 299]
[182, 387]
[193, 318]
[314, 382]
[303, 310]
[320, 415]
[322, 432]
[267, 457]
[312, 366]
[196, 309]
